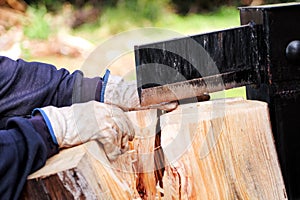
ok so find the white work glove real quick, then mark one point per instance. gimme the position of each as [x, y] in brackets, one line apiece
[124, 94]
[82, 122]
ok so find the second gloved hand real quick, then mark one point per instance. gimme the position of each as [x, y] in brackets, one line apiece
[124, 94]
[93, 120]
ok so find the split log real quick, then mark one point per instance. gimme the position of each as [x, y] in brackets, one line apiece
[221, 149]
[84, 172]
[145, 126]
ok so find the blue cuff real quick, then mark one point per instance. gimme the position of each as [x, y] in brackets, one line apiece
[48, 123]
[105, 79]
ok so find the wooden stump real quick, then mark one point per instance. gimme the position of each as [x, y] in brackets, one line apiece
[220, 149]
[145, 123]
[83, 172]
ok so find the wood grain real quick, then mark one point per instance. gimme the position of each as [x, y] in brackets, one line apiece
[83, 172]
[226, 152]
[220, 149]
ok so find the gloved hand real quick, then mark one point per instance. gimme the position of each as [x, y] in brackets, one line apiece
[124, 94]
[93, 120]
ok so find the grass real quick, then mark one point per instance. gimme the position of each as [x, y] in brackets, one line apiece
[119, 19]
[224, 17]
[123, 17]
[235, 92]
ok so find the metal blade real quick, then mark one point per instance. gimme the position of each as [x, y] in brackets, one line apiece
[196, 87]
[191, 66]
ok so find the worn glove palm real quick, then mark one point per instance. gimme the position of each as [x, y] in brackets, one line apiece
[124, 94]
[93, 120]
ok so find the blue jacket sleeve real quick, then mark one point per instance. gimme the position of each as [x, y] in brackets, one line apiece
[22, 151]
[24, 142]
[28, 85]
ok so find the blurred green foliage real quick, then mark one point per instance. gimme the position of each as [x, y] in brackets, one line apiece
[221, 18]
[116, 20]
[196, 6]
[129, 14]
[114, 16]
[37, 27]
[181, 6]
[184, 16]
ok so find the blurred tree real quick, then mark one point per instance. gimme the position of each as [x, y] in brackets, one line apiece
[56, 4]
[182, 7]
[195, 6]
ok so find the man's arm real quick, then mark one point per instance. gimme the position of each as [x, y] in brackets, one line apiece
[23, 149]
[28, 85]
[25, 144]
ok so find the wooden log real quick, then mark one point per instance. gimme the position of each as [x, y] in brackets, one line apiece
[145, 123]
[84, 172]
[220, 149]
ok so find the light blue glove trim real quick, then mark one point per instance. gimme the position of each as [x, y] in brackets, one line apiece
[105, 79]
[48, 123]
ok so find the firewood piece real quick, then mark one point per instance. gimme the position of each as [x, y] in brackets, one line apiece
[83, 172]
[145, 124]
[220, 149]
